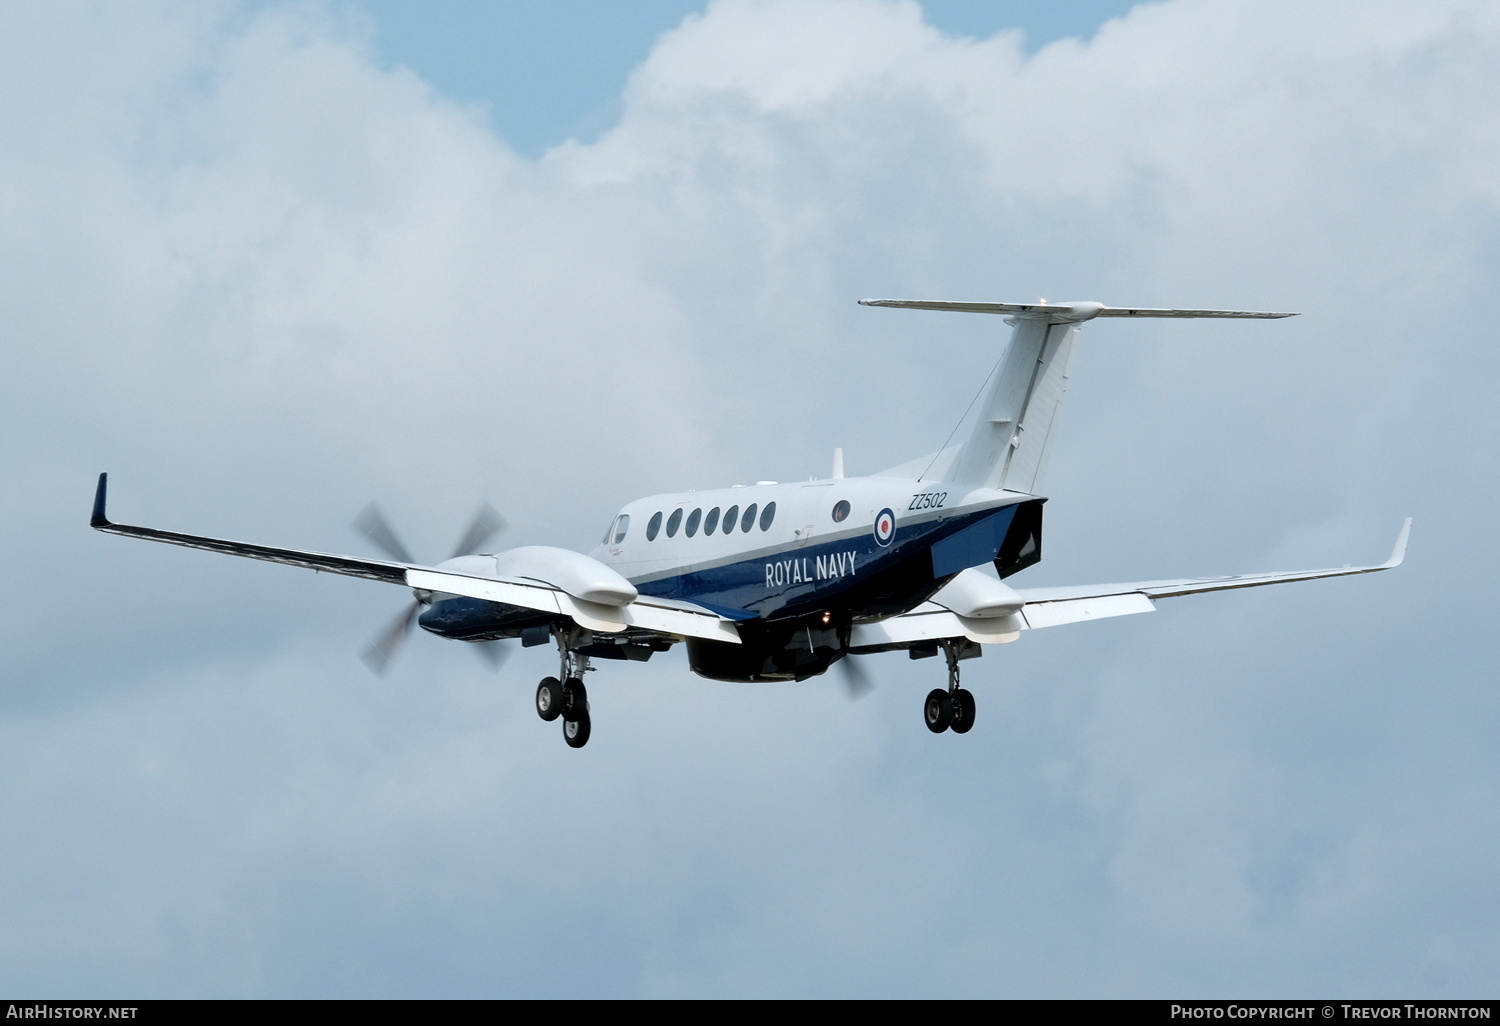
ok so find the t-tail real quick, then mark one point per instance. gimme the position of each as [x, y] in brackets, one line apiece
[1010, 440]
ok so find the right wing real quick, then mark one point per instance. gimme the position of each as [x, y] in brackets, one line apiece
[1052, 607]
[663, 616]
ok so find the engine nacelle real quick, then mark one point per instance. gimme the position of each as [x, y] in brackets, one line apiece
[975, 594]
[578, 575]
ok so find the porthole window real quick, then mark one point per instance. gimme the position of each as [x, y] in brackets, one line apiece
[692, 524]
[766, 516]
[731, 517]
[652, 526]
[841, 511]
[711, 522]
[748, 520]
[673, 523]
[621, 526]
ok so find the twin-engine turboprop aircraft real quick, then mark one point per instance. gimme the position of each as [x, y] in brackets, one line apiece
[776, 582]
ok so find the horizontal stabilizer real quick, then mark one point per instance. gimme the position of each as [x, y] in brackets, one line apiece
[1066, 313]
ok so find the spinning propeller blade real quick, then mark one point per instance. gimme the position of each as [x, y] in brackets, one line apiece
[486, 524]
[494, 653]
[378, 656]
[857, 682]
[372, 524]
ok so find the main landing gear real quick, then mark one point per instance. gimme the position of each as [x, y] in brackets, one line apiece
[567, 698]
[952, 709]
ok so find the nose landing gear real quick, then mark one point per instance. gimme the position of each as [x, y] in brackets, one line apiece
[951, 709]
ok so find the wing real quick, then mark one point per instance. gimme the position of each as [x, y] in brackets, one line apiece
[663, 616]
[1051, 607]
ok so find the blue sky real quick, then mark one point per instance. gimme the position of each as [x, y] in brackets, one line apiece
[546, 72]
[263, 265]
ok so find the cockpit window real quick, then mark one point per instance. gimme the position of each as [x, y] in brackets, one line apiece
[692, 524]
[711, 522]
[748, 520]
[673, 523]
[622, 524]
[840, 511]
[731, 517]
[766, 516]
[652, 526]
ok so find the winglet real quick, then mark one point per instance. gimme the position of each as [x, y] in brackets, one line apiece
[1398, 553]
[99, 519]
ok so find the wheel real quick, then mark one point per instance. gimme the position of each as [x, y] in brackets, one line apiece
[549, 699]
[963, 711]
[576, 732]
[575, 697]
[938, 710]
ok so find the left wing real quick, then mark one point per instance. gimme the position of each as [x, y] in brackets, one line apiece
[1051, 607]
[664, 616]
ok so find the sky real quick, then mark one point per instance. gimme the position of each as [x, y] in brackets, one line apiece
[264, 262]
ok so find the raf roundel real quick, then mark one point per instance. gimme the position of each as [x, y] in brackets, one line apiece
[885, 527]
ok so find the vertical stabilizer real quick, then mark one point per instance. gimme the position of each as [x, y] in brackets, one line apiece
[1017, 420]
[1008, 445]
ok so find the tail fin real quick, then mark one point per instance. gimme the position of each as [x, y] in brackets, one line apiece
[1009, 443]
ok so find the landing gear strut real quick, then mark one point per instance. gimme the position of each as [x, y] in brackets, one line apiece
[565, 695]
[951, 709]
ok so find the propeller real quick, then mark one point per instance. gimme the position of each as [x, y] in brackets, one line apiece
[372, 523]
[486, 524]
[857, 682]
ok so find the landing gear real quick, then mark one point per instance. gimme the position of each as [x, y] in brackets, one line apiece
[565, 695]
[953, 708]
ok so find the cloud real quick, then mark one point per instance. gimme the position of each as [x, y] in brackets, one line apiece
[259, 280]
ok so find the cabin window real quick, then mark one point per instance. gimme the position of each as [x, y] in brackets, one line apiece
[748, 520]
[692, 524]
[730, 518]
[711, 521]
[841, 511]
[622, 524]
[673, 522]
[652, 526]
[766, 516]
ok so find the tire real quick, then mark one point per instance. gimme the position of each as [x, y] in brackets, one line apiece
[938, 710]
[963, 711]
[549, 699]
[576, 732]
[575, 698]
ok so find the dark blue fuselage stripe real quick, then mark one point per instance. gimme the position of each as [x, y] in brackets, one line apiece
[801, 580]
